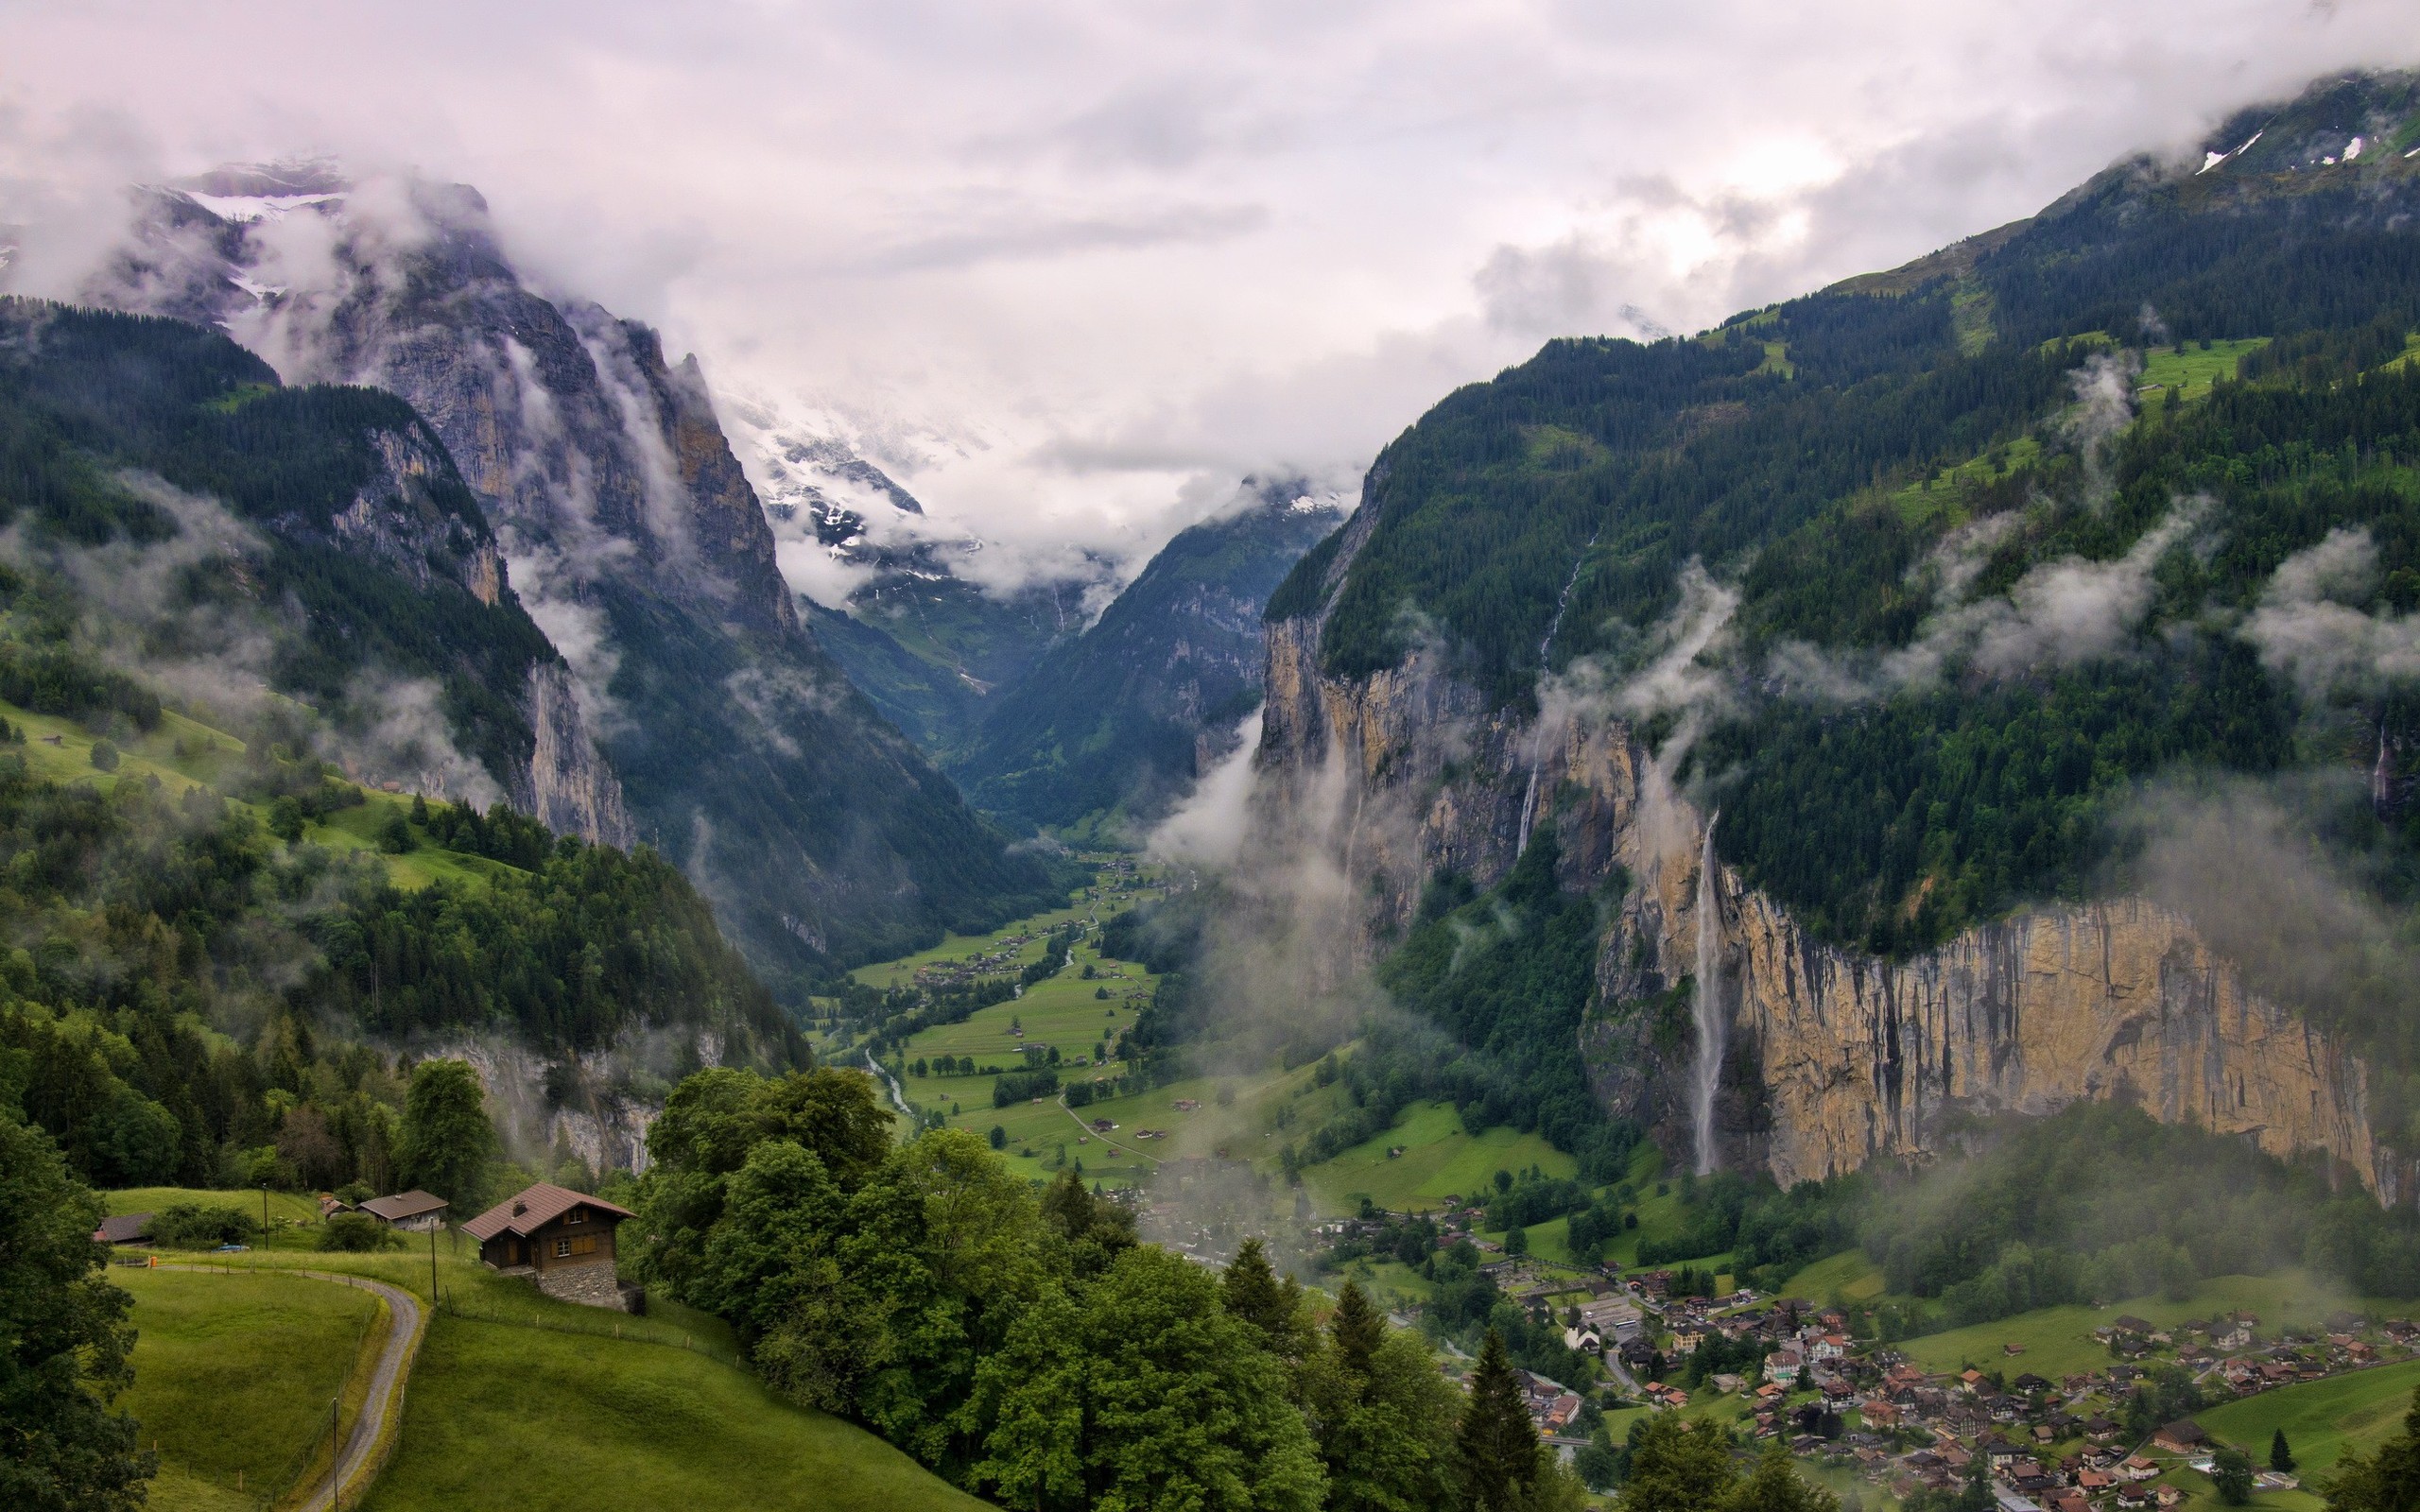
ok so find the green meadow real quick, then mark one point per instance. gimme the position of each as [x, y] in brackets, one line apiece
[2322, 1420]
[535, 1420]
[1438, 1159]
[234, 1374]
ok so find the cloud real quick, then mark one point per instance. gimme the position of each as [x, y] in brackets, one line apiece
[1124, 250]
[1207, 828]
[2059, 614]
[2305, 625]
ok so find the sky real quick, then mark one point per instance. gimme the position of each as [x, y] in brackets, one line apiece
[1070, 270]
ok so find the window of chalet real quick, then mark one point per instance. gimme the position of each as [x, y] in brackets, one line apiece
[575, 1215]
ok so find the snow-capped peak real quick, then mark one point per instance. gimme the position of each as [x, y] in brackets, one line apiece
[244, 209]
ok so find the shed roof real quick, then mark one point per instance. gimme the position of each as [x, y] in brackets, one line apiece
[529, 1210]
[403, 1204]
[123, 1230]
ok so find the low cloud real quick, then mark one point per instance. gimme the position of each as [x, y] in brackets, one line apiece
[2307, 627]
[2060, 614]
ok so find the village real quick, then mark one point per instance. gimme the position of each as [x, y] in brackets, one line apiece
[2110, 1439]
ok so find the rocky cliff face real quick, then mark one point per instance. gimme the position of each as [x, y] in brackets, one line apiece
[569, 787]
[696, 712]
[1833, 1057]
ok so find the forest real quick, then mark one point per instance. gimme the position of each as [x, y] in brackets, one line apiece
[190, 995]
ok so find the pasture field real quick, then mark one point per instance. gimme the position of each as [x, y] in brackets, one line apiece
[535, 1420]
[233, 1374]
[2189, 370]
[1439, 1159]
[182, 754]
[1847, 1277]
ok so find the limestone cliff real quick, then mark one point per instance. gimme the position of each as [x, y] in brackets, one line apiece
[1833, 1056]
[568, 786]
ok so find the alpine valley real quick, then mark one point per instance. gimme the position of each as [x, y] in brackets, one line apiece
[1748, 880]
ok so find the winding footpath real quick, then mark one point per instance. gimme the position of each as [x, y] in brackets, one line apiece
[371, 1440]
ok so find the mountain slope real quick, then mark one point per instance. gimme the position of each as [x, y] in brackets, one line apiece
[1978, 686]
[1126, 715]
[232, 536]
[929, 647]
[636, 537]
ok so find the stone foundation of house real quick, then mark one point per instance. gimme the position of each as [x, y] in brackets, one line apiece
[589, 1285]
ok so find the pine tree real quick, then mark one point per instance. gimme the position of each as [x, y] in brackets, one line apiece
[1497, 1443]
[1251, 1290]
[2281, 1455]
[1358, 1330]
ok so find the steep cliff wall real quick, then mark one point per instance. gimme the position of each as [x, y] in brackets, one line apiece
[1833, 1056]
[568, 786]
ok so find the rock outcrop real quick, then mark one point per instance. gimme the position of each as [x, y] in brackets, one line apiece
[1835, 1057]
[569, 787]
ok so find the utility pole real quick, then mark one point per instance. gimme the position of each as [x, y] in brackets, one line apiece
[432, 1264]
[264, 1212]
[336, 1458]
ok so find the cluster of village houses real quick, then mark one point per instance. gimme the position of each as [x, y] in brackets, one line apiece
[2050, 1446]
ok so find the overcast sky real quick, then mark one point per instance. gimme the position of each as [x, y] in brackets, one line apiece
[1070, 268]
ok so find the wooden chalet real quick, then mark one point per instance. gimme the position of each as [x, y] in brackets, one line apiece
[415, 1210]
[561, 1239]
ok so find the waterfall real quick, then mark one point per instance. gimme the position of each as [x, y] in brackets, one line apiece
[1708, 997]
[1538, 742]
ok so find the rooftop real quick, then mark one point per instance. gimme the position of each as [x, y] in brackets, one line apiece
[528, 1211]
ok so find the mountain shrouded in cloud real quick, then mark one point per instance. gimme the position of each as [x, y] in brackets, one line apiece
[631, 534]
[1107, 255]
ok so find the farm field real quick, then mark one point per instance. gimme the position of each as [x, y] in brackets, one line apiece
[2190, 370]
[500, 1416]
[1847, 1277]
[233, 1377]
[517, 1398]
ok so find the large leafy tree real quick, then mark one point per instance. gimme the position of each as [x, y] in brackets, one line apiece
[63, 1341]
[449, 1143]
[1147, 1394]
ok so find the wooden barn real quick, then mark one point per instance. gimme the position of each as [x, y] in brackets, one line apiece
[561, 1239]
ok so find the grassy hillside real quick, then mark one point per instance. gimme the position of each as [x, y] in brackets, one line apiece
[517, 1400]
[513, 1416]
[2322, 1419]
[1438, 1159]
[232, 1378]
[2058, 1340]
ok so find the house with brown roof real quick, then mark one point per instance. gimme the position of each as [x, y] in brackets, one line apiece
[561, 1239]
[415, 1211]
[2180, 1437]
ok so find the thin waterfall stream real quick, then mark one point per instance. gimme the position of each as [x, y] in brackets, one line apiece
[1708, 1004]
[1538, 742]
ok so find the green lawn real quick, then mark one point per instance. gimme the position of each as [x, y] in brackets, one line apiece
[2322, 1419]
[233, 1376]
[501, 1416]
[2058, 1340]
[1439, 1159]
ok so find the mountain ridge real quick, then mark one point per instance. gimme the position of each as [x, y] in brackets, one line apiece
[1962, 492]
